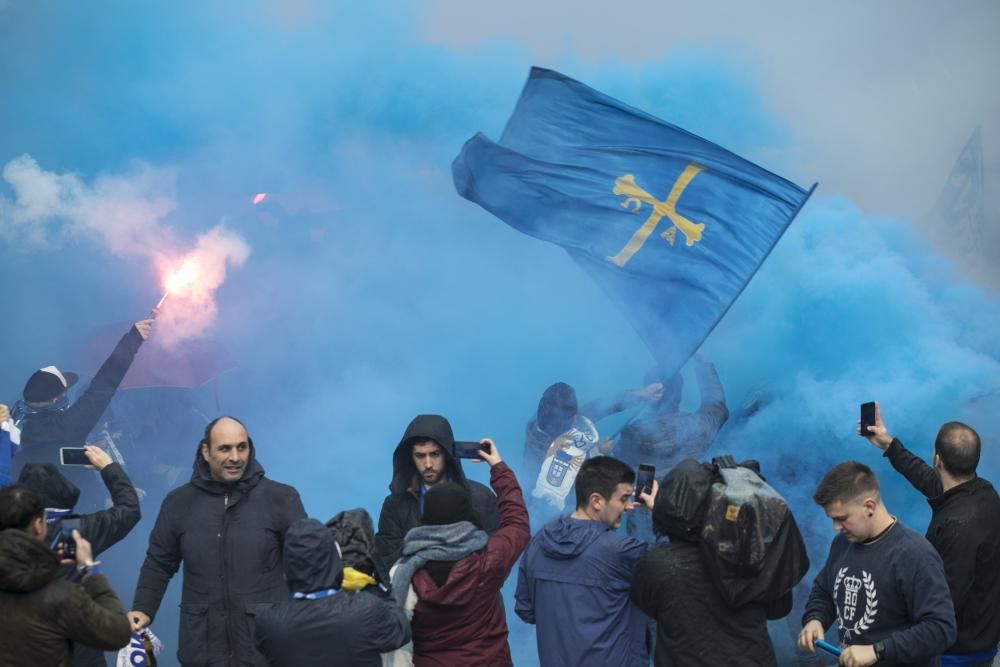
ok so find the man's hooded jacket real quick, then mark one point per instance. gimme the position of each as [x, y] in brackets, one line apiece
[102, 529]
[573, 584]
[326, 626]
[229, 537]
[401, 508]
[43, 615]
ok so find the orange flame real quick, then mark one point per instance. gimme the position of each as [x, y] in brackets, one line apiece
[259, 197]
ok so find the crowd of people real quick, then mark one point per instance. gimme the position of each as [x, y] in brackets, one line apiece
[264, 584]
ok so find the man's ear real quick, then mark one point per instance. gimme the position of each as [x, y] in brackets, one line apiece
[37, 526]
[204, 450]
[870, 505]
[596, 501]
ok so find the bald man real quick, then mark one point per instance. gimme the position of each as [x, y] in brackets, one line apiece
[964, 529]
[227, 525]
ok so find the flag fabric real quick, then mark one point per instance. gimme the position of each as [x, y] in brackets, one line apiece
[671, 226]
[957, 222]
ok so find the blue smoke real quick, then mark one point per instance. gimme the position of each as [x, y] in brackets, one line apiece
[374, 293]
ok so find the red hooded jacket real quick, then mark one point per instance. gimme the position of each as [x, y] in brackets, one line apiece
[463, 623]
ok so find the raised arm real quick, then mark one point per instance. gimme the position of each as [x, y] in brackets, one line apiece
[916, 471]
[110, 526]
[507, 543]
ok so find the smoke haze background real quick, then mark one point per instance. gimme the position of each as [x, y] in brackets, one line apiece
[363, 290]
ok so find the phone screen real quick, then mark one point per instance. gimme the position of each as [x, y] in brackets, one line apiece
[867, 417]
[644, 479]
[73, 456]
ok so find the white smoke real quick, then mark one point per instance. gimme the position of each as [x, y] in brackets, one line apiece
[126, 215]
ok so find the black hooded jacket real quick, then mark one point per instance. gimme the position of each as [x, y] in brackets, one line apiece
[102, 529]
[673, 585]
[332, 630]
[229, 537]
[401, 508]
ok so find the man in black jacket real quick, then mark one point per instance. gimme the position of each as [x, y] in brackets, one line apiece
[227, 525]
[101, 529]
[964, 528]
[324, 624]
[424, 457]
[48, 421]
[672, 584]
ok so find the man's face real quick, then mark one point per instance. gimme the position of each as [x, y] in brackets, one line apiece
[611, 511]
[852, 519]
[429, 459]
[228, 451]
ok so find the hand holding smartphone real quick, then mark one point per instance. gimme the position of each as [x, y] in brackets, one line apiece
[73, 456]
[468, 449]
[644, 479]
[868, 418]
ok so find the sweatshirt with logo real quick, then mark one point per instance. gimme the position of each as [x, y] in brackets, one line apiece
[893, 590]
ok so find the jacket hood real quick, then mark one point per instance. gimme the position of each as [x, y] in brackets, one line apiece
[680, 506]
[423, 427]
[354, 531]
[25, 563]
[46, 480]
[566, 538]
[311, 557]
[201, 476]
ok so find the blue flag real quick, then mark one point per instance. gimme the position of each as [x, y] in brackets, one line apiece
[671, 226]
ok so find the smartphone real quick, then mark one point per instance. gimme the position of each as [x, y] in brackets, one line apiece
[467, 449]
[826, 646]
[73, 456]
[644, 479]
[867, 417]
[65, 537]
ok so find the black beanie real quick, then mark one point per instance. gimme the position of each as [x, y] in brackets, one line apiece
[446, 503]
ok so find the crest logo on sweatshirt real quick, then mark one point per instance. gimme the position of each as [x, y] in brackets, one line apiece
[848, 605]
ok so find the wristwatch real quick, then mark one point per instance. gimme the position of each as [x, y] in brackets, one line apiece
[88, 568]
[879, 648]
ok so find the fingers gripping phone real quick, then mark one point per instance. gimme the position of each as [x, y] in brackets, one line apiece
[65, 538]
[867, 417]
[467, 449]
[644, 479]
[73, 456]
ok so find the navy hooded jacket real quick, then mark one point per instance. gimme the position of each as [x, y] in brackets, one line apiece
[573, 584]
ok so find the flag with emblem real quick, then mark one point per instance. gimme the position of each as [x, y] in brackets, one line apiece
[671, 226]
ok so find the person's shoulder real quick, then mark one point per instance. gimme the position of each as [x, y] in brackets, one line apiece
[280, 488]
[912, 547]
[477, 488]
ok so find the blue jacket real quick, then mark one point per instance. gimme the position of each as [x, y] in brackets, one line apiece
[573, 584]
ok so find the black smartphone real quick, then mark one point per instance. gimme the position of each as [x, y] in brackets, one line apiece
[65, 538]
[867, 417]
[644, 479]
[73, 456]
[467, 449]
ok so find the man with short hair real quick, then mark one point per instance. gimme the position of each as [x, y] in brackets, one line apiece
[43, 615]
[425, 456]
[574, 578]
[227, 525]
[964, 529]
[882, 581]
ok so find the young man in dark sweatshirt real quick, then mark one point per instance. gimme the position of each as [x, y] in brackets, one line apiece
[964, 529]
[882, 581]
